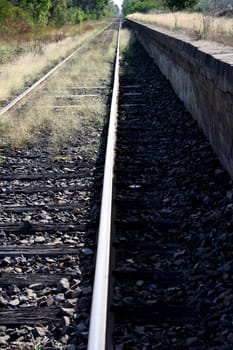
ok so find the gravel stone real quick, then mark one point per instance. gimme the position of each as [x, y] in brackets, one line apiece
[39, 331]
[4, 340]
[86, 290]
[180, 246]
[87, 251]
[14, 302]
[63, 285]
[36, 286]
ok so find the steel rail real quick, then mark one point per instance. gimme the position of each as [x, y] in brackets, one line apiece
[53, 70]
[98, 321]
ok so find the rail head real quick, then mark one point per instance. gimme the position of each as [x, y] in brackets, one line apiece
[99, 309]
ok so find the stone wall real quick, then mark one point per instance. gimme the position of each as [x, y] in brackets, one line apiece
[201, 73]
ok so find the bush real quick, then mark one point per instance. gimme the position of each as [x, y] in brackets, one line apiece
[14, 19]
[20, 21]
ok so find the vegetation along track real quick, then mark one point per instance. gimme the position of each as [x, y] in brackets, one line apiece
[51, 169]
[172, 270]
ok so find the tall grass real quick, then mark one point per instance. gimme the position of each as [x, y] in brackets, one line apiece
[36, 57]
[46, 117]
[201, 26]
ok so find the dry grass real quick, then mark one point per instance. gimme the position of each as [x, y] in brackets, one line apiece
[14, 44]
[29, 66]
[203, 26]
[53, 119]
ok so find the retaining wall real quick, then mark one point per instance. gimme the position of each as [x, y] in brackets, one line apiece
[201, 74]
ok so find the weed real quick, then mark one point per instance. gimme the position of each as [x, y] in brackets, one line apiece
[206, 25]
[4, 132]
[39, 347]
[2, 159]
[176, 27]
[62, 157]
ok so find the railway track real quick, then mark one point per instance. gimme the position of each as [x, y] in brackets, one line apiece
[164, 263]
[170, 281]
[49, 205]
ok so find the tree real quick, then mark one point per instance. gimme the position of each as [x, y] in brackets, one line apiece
[112, 9]
[180, 4]
[38, 9]
[23, 14]
[5, 10]
[130, 6]
[58, 13]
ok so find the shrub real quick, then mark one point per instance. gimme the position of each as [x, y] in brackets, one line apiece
[14, 19]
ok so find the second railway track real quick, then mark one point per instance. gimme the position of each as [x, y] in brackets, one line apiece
[49, 204]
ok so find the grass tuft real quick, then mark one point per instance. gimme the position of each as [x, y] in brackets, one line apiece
[62, 157]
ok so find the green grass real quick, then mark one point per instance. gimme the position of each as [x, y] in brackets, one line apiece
[63, 157]
[2, 160]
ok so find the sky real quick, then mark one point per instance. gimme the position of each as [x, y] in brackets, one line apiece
[118, 2]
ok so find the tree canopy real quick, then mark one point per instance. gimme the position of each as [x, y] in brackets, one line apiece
[20, 15]
[130, 6]
[180, 4]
